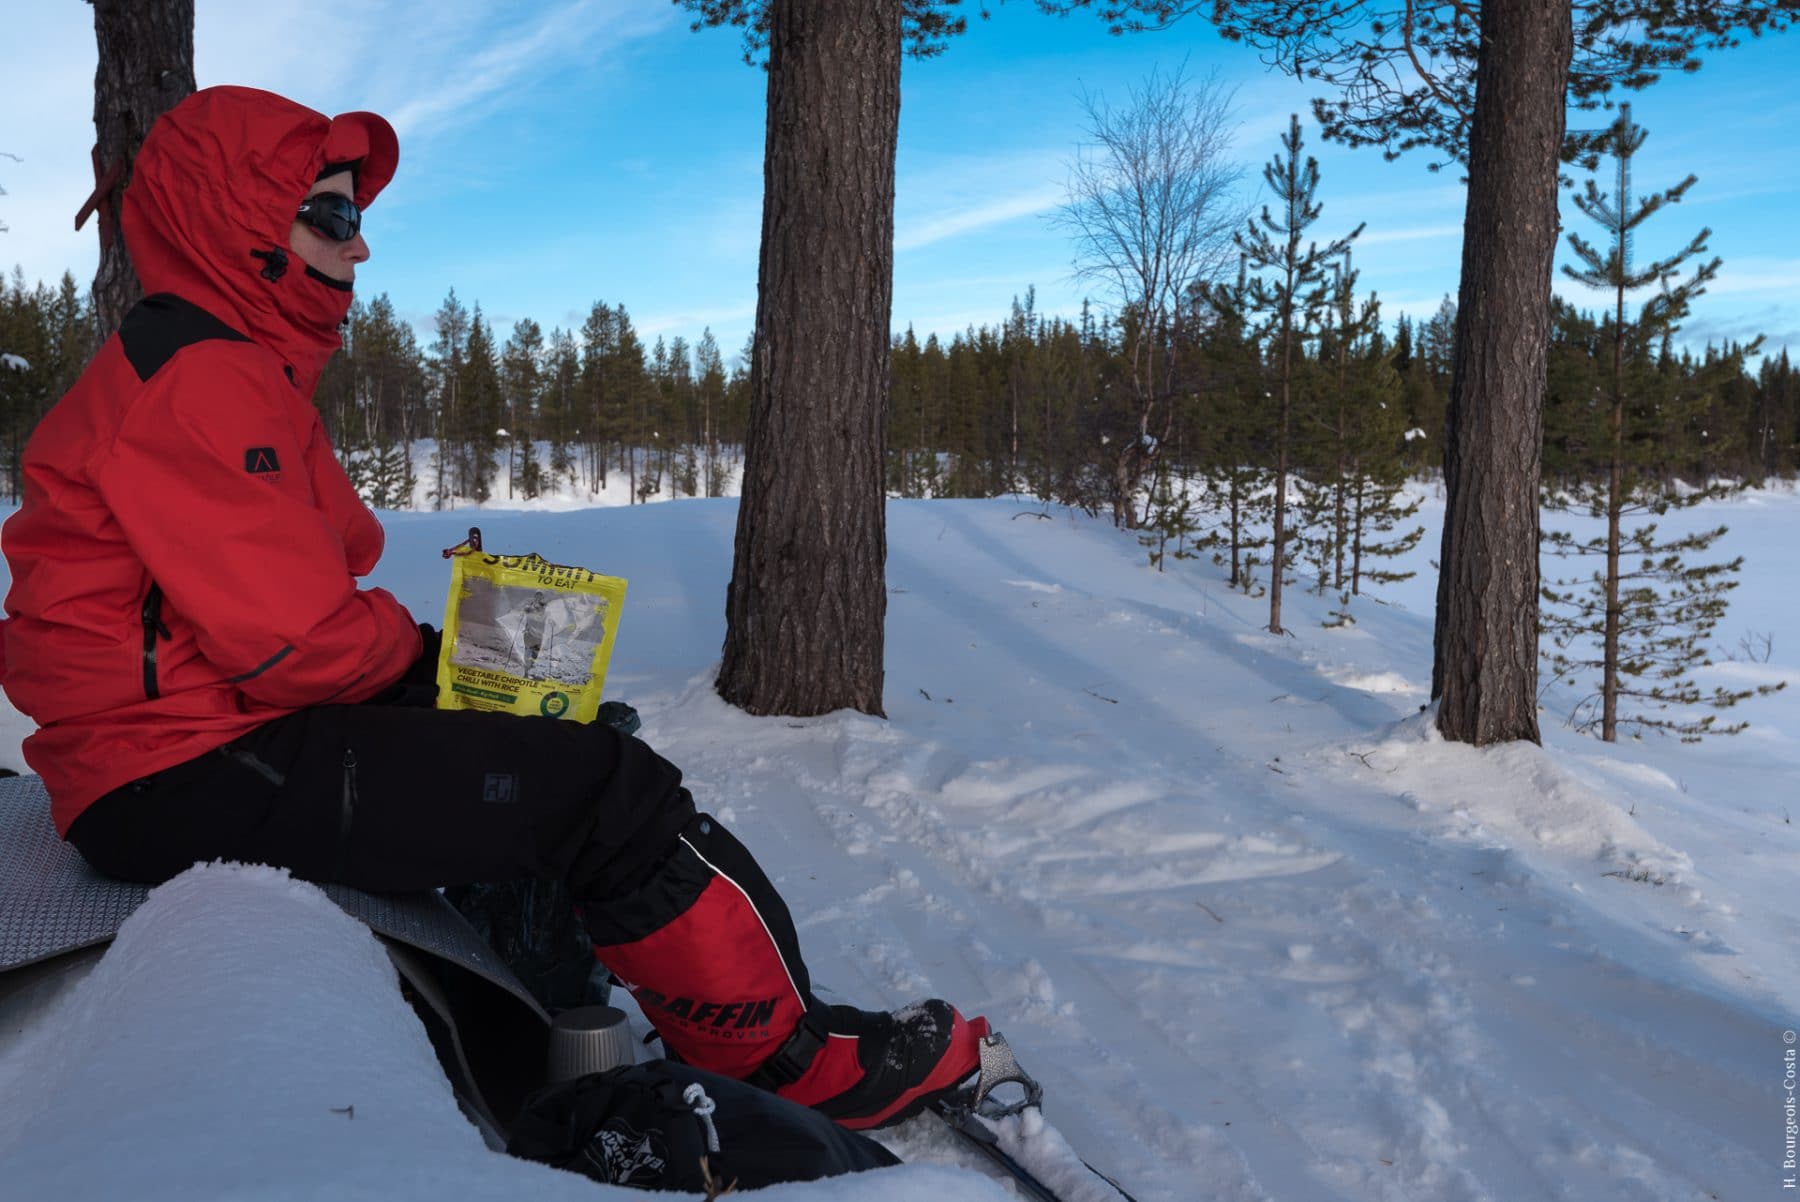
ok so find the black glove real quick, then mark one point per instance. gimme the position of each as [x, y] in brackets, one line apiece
[621, 717]
[419, 684]
[424, 669]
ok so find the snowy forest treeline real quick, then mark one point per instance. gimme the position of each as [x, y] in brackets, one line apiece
[1033, 402]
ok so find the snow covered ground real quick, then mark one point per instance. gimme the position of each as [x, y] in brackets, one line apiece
[1260, 932]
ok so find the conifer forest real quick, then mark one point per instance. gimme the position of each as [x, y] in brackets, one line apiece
[1030, 403]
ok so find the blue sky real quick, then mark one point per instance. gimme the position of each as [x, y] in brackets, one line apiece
[554, 154]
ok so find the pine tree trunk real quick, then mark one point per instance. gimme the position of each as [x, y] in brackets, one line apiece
[443, 442]
[1236, 493]
[1615, 504]
[1281, 468]
[1484, 670]
[918, 463]
[807, 605]
[1343, 438]
[1012, 445]
[146, 67]
[1762, 449]
[708, 488]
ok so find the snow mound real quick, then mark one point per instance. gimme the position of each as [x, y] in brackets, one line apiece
[1377, 682]
[245, 1038]
[1518, 795]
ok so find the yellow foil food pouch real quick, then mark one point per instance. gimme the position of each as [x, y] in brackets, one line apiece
[526, 636]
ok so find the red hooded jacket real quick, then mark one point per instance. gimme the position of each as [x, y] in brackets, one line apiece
[185, 555]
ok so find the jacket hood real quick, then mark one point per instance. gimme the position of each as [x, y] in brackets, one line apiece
[211, 204]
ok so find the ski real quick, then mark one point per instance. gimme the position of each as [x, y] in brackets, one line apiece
[974, 1133]
[964, 1113]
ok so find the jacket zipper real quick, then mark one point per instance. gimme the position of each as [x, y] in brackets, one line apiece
[346, 813]
[153, 629]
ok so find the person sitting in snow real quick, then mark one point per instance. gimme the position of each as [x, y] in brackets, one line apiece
[209, 681]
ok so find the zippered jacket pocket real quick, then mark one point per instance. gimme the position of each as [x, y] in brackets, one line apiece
[153, 630]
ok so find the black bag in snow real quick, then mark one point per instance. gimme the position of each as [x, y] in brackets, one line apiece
[648, 1125]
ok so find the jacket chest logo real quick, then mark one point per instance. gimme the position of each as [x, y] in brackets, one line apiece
[262, 461]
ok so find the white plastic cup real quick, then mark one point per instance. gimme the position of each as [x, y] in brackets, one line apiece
[588, 1039]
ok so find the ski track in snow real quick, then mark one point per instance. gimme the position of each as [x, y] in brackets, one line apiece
[1260, 933]
[1245, 964]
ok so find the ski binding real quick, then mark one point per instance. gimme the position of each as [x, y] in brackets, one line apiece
[970, 1111]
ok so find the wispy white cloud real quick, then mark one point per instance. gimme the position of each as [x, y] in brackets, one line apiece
[1749, 276]
[942, 196]
[471, 79]
[1766, 302]
[688, 323]
[930, 176]
[1777, 325]
[282, 46]
[1426, 198]
[1775, 185]
[1415, 234]
[1258, 139]
[939, 226]
[1040, 277]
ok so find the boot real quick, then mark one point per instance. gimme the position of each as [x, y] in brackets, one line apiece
[870, 1068]
[708, 949]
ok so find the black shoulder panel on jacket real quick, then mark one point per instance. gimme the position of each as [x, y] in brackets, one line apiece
[160, 325]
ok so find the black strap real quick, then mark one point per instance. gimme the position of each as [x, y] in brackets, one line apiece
[796, 1054]
[328, 281]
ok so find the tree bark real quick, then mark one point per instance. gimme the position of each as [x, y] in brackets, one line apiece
[146, 67]
[1343, 471]
[1484, 671]
[1615, 503]
[807, 604]
[1280, 532]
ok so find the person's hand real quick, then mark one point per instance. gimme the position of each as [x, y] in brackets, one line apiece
[433, 639]
[419, 685]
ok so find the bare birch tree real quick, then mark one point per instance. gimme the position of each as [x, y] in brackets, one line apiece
[1152, 205]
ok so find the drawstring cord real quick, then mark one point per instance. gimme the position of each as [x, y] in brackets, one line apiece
[275, 263]
[703, 1107]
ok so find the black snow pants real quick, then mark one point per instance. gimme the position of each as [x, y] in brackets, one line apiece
[392, 797]
[395, 797]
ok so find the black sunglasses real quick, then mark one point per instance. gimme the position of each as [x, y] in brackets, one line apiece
[333, 215]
